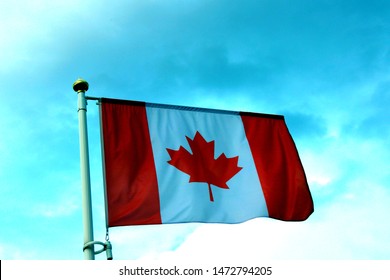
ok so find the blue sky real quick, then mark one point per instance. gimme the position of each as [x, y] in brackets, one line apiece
[325, 65]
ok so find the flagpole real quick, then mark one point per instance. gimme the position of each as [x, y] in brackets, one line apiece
[81, 86]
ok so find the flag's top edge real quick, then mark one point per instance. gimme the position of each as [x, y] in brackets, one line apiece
[187, 108]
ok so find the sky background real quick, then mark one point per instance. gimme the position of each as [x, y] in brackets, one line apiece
[324, 65]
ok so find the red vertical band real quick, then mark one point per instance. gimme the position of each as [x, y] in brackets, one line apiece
[131, 180]
[279, 167]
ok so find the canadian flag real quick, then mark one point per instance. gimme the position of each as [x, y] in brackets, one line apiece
[172, 164]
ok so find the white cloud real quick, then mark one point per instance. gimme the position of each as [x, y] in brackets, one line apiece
[135, 242]
[357, 229]
[320, 168]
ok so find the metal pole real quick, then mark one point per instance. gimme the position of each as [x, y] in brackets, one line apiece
[81, 86]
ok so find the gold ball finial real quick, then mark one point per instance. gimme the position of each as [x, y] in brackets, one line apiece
[80, 85]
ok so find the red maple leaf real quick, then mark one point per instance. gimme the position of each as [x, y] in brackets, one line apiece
[201, 165]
